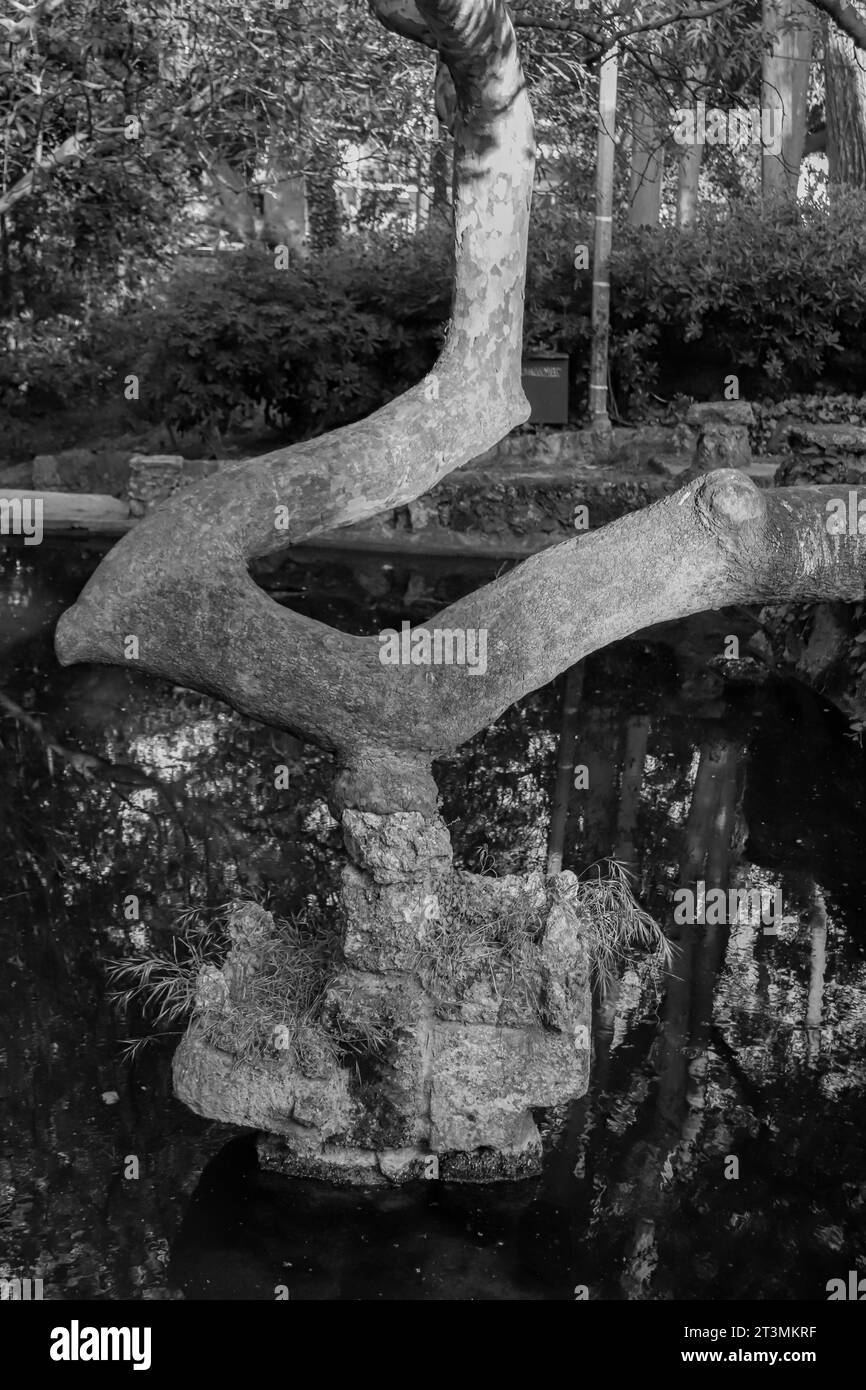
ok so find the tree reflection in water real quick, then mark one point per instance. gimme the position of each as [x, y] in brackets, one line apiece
[752, 1048]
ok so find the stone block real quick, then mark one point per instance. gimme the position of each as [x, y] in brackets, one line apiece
[46, 474]
[152, 478]
[334, 1163]
[385, 923]
[830, 439]
[565, 993]
[737, 413]
[486, 1079]
[266, 1095]
[398, 847]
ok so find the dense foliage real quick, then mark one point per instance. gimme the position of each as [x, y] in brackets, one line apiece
[773, 295]
[187, 119]
[317, 344]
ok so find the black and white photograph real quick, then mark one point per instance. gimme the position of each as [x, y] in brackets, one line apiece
[432, 672]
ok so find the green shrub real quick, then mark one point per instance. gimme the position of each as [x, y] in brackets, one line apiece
[317, 345]
[48, 367]
[773, 294]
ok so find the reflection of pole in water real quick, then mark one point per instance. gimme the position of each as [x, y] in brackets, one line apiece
[680, 1051]
[589, 831]
[636, 740]
[605, 1005]
[710, 821]
[817, 966]
[564, 767]
[711, 844]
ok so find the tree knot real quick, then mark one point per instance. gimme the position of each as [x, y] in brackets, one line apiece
[727, 499]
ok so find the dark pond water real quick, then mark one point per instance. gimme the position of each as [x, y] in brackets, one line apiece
[719, 1153]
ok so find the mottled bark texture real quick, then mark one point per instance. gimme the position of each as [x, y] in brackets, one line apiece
[718, 541]
[461, 1057]
[845, 84]
[225, 636]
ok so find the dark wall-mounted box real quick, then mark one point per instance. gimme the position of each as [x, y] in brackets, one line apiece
[545, 381]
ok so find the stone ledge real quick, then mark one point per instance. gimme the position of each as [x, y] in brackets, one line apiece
[271, 1096]
[845, 439]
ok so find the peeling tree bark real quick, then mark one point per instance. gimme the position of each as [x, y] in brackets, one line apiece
[199, 545]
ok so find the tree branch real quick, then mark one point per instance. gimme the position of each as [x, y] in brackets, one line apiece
[718, 541]
[701, 12]
[179, 583]
[604, 40]
[467, 403]
[72, 148]
[847, 18]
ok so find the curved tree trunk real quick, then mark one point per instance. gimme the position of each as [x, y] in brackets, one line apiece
[454, 1079]
[719, 540]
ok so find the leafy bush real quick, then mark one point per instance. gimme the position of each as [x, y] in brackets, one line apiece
[318, 344]
[48, 367]
[773, 294]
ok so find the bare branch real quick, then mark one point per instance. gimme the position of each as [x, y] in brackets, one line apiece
[74, 147]
[847, 17]
[604, 39]
[702, 12]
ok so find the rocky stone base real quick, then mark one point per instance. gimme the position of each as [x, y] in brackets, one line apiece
[456, 1005]
[348, 1167]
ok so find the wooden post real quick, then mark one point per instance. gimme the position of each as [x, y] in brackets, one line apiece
[598, 415]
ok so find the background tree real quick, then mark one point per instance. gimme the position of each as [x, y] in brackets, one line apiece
[845, 79]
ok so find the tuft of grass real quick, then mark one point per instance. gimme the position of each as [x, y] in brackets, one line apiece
[161, 987]
[619, 928]
[476, 937]
[479, 937]
[278, 1011]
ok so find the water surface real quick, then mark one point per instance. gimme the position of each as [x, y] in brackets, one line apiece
[753, 1050]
